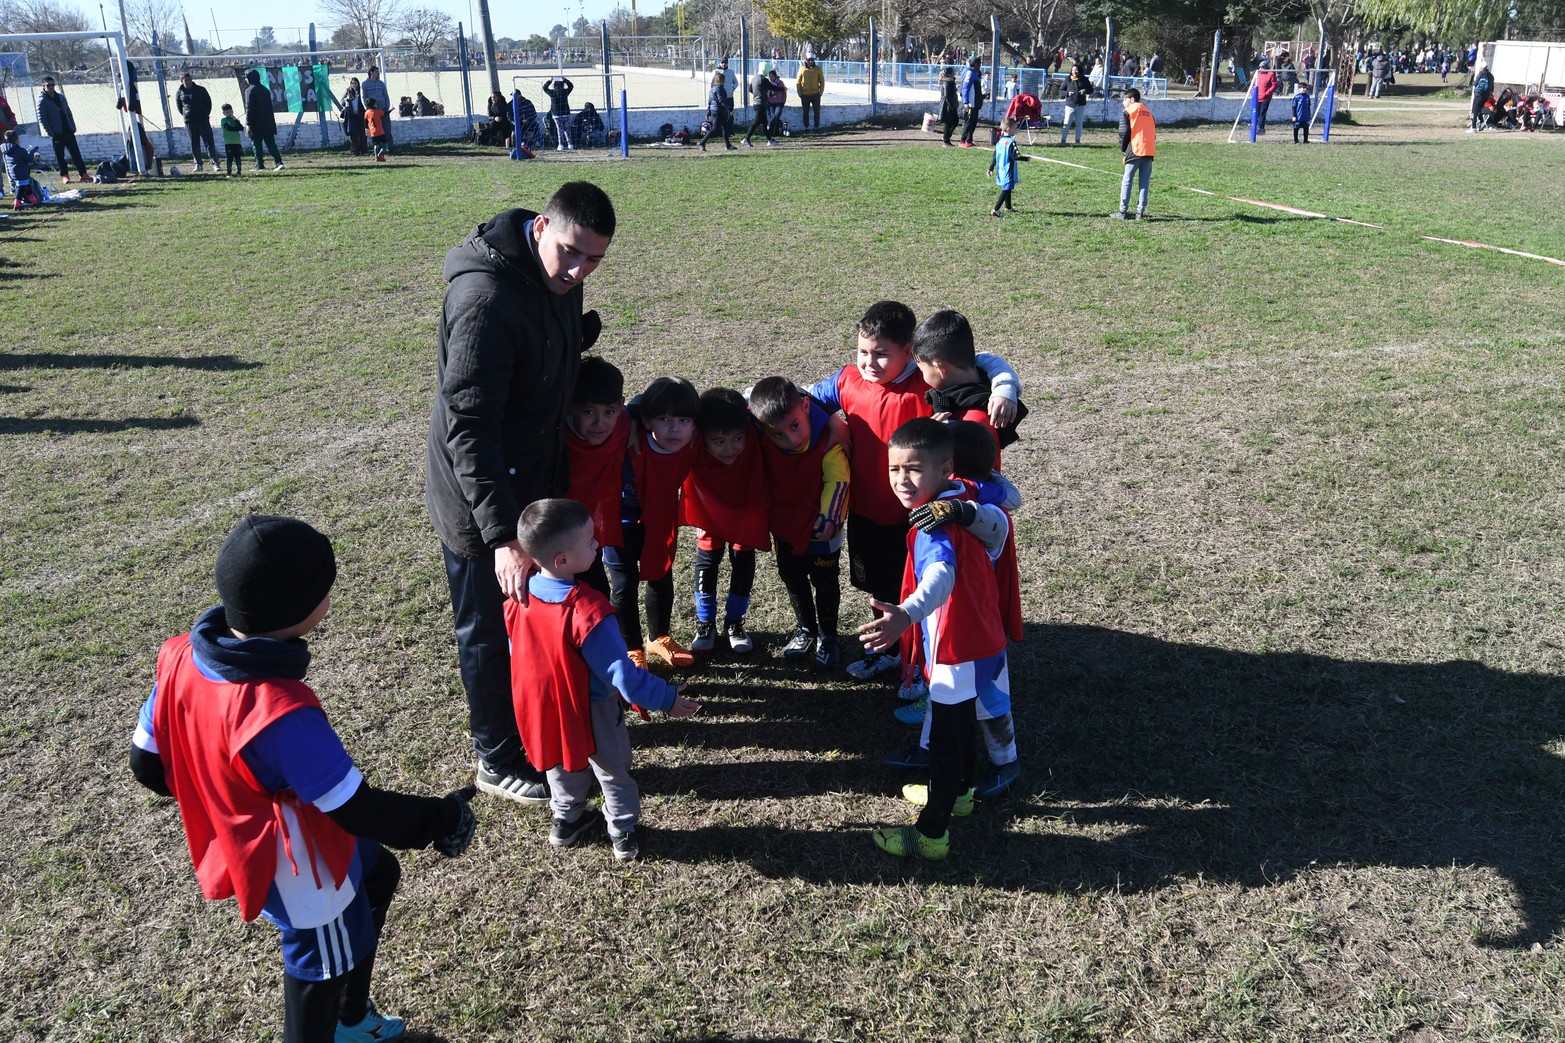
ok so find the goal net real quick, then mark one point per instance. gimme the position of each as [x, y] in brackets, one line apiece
[590, 119]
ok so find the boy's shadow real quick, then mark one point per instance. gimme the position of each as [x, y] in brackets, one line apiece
[1151, 761]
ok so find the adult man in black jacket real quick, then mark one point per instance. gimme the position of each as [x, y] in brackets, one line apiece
[510, 342]
[260, 123]
[195, 104]
[56, 120]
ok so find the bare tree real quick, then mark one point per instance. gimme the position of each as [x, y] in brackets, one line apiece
[145, 17]
[424, 28]
[48, 16]
[374, 18]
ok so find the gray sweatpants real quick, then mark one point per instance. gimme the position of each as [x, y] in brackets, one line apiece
[569, 790]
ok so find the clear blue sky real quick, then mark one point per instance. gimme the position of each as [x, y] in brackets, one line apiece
[237, 21]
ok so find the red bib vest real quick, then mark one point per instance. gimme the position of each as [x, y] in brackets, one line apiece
[970, 624]
[550, 687]
[728, 501]
[794, 484]
[874, 412]
[231, 823]
[659, 477]
[597, 479]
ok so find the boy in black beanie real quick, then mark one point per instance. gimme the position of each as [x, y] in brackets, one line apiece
[275, 813]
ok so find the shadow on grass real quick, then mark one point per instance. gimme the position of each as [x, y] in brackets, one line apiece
[1148, 762]
[47, 360]
[45, 425]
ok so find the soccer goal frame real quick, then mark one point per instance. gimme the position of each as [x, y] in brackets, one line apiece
[1325, 100]
[607, 96]
[116, 42]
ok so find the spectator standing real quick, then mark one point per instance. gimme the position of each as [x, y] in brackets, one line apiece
[719, 112]
[1265, 89]
[195, 104]
[730, 79]
[1379, 69]
[375, 87]
[1077, 90]
[56, 121]
[811, 85]
[950, 105]
[353, 122]
[1138, 140]
[510, 339]
[559, 92]
[260, 124]
[972, 100]
[776, 101]
[1483, 86]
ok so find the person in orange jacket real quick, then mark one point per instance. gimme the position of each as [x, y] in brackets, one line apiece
[1138, 140]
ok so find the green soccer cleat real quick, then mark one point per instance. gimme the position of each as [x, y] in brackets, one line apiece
[908, 842]
[917, 794]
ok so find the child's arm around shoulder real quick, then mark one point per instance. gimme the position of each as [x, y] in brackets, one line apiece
[609, 660]
[1005, 388]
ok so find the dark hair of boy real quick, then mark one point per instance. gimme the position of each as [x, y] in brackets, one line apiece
[924, 435]
[670, 396]
[773, 398]
[891, 320]
[11, 136]
[722, 411]
[973, 450]
[598, 383]
[945, 337]
[1133, 94]
[546, 526]
[583, 204]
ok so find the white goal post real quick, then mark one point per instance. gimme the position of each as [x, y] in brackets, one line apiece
[117, 48]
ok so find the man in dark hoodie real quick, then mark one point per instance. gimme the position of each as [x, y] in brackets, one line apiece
[195, 104]
[510, 341]
[260, 124]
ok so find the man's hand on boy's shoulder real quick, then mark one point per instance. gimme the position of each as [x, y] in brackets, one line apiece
[512, 567]
[887, 628]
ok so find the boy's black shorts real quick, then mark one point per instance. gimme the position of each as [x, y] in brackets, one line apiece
[877, 555]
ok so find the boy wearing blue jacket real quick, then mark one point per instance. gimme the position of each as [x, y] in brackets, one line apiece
[1004, 165]
[1301, 113]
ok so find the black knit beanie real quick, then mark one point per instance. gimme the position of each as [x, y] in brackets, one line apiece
[272, 573]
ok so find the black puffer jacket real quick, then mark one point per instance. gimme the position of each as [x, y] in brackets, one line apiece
[259, 118]
[509, 349]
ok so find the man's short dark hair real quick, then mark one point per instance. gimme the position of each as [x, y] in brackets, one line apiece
[723, 411]
[924, 435]
[547, 525]
[598, 383]
[11, 136]
[772, 399]
[972, 450]
[583, 204]
[1133, 94]
[892, 320]
[945, 337]
[670, 396]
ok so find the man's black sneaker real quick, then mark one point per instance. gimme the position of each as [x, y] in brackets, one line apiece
[513, 786]
[569, 834]
[801, 644]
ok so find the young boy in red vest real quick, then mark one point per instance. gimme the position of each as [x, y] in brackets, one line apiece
[973, 456]
[725, 499]
[661, 459]
[959, 388]
[597, 437]
[807, 478]
[949, 593]
[572, 675]
[879, 392]
[275, 813]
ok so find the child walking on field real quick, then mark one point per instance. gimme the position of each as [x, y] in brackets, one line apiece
[1004, 165]
[571, 677]
[375, 123]
[276, 815]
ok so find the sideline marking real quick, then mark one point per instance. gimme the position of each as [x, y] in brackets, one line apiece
[1311, 213]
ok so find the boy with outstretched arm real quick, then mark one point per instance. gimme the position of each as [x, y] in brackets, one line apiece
[880, 391]
[275, 812]
[597, 437]
[725, 499]
[664, 450]
[949, 594]
[572, 675]
[807, 480]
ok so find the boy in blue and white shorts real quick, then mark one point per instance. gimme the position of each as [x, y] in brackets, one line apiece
[275, 813]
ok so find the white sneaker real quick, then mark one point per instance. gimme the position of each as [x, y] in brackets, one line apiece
[913, 690]
[873, 665]
[739, 639]
[278, 167]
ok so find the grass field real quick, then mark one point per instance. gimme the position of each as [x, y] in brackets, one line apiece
[1289, 705]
